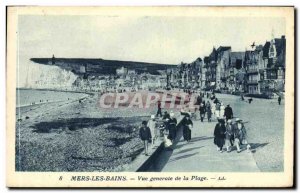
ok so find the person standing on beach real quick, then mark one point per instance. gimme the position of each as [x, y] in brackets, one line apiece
[145, 136]
[219, 134]
[159, 109]
[152, 126]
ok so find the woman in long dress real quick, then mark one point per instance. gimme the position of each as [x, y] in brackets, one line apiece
[172, 123]
[202, 111]
[187, 126]
[222, 110]
[213, 108]
[219, 134]
[240, 135]
[152, 126]
[208, 111]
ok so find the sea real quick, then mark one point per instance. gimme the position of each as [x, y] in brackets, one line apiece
[27, 97]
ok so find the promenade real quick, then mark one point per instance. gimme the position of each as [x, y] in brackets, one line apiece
[201, 155]
[264, 124]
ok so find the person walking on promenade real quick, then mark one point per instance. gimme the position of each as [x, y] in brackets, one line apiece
[242, 97]
[240, 135]
[172, 123]
[228, 113]
[166, 115]
[216, 100]
[213, 109]
[222, 110]
[199, 100]
[187, 126]
[219, 134]
[202, 111]
[229, 138]
[279, 100]
[212, 96]
[152, 126]
[145, 135]
[250, 100]
[218, 108]
[159, 109]
[208, 110]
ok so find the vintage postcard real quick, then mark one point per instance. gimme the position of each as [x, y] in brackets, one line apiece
[150, 97]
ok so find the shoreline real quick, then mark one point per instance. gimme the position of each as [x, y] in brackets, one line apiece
[56, 90]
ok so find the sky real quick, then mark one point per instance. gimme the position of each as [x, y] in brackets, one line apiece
[167, 40]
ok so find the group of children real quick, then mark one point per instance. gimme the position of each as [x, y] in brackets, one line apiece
[150, 130]
[230, 134]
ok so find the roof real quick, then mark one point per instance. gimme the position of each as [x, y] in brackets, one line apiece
[259, 48]
[280, 44]
[213, 55]
[206, 59]
[223, 48]
[266, 49]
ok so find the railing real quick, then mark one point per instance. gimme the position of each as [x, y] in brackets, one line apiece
[252, 81]
[252, 71]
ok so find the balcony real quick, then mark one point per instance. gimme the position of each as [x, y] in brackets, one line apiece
[252, 71]
[252, 81]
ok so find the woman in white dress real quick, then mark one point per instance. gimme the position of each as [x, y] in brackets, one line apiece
[152, 126]
[213, 109]
[222, 110]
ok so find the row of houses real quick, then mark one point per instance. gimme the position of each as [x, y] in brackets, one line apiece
[123, 80]
[260, 70]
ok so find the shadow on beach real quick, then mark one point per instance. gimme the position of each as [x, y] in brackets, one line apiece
[73, 124]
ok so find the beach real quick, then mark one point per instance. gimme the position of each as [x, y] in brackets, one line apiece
[73, 135]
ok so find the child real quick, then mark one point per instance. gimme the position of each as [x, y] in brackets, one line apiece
[145, 136]
[240, 135]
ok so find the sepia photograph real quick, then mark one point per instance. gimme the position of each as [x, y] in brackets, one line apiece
[150, 96]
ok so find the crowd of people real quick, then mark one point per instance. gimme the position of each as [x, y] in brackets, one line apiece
[228, 132]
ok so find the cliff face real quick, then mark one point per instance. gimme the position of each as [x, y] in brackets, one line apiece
[33, 75]
[101, 66]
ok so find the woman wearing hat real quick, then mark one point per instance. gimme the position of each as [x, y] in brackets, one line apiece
[202, 111]
[229, 135]
[240, 135]
[172, 123]
[222, 110]
[217, 111]
[152, 126]
[219, 134]
[208, 110]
